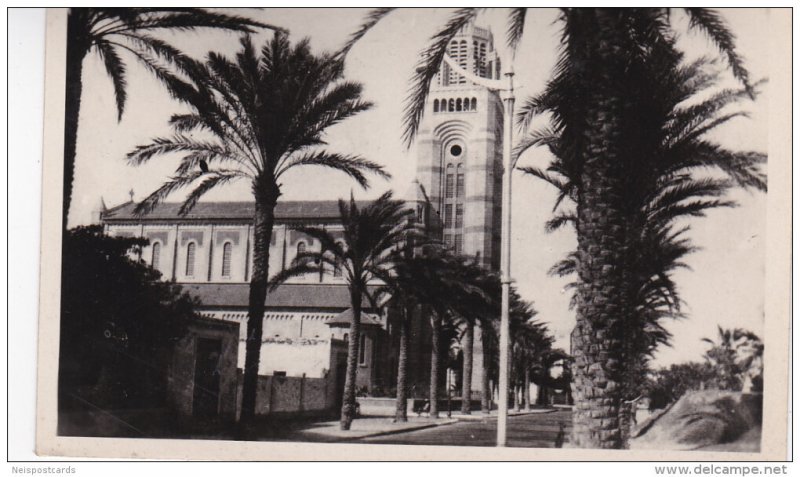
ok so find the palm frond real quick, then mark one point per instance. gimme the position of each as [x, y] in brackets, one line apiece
[372, 18]
[428, 66]
[516, 26]
[712, 24]
[353, 166]
[116, 70]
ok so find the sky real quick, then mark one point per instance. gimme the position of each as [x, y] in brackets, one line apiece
[725, 285]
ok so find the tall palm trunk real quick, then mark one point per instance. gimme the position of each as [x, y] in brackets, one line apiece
[349, 399]
[466, 378]
[601, 250]
[486, 389]
[262, 231]
[77, 47]
[401, 411]
[526, 392]
[436, 328]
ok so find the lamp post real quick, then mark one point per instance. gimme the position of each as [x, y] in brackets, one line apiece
[506, 89]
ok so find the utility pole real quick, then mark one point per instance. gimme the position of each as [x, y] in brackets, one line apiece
[506, 89]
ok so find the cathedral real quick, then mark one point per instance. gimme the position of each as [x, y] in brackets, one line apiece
[459, 171]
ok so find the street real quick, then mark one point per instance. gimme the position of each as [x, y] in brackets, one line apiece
[531, 430]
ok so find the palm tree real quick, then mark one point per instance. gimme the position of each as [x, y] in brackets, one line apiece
[373, 239]
[662, 188]
[600, 89]
[112, 33]
[726, 358]
[266, 113]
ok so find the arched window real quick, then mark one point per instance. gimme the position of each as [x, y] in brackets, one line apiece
[451, 105]
[226, 260]
[362, 350]
[190, 249]
[155, 262]
[458, 104]
[435, 105]
[474, 105]
[466, 104]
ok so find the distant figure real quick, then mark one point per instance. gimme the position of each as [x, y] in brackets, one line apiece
[560, 436]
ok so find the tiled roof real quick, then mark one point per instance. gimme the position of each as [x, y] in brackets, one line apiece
[285, 296]
[284, 210]
[344, 318]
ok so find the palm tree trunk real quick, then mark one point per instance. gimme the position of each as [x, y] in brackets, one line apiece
[436, 325]
[262, 231]
[601, 289]
[349, 399]
[77, 48]
[466, 378]
[527, 391]
[401, 412]
[486, 389]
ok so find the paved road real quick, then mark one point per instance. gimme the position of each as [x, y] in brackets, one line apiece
[531, 430]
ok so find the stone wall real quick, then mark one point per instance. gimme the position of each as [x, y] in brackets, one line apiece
[282, 395]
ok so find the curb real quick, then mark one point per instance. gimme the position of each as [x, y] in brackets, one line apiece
[399, 431]
[483, 417]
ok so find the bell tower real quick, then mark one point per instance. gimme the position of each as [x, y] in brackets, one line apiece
[459, 160]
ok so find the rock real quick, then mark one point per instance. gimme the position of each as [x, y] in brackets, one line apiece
[719, 420]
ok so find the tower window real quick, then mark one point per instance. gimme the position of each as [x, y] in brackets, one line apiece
[473, 105]
[455, 150]
[435, 105]
[448, 215]
[448, 186]
[190, 250]
[156, 255]
[451, 105]
[459, 215]
[226, 259]
[460, 181]
[459, 243]
[458, 104]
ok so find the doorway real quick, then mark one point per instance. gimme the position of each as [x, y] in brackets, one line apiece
[207, 378]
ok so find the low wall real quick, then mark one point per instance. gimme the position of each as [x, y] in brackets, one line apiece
[283, 395]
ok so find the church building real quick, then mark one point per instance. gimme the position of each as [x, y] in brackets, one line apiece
[209, 251]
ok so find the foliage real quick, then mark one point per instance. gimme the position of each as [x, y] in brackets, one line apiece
[267, 112]
[119, 321]
[667, 385]
[735, 356]
[113, 34]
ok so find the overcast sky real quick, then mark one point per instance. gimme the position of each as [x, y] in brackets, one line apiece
[725, 285]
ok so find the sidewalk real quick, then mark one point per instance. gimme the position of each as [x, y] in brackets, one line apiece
[363, 427]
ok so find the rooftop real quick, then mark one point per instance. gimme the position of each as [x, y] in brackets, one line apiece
[228, 211]
[228, 295]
